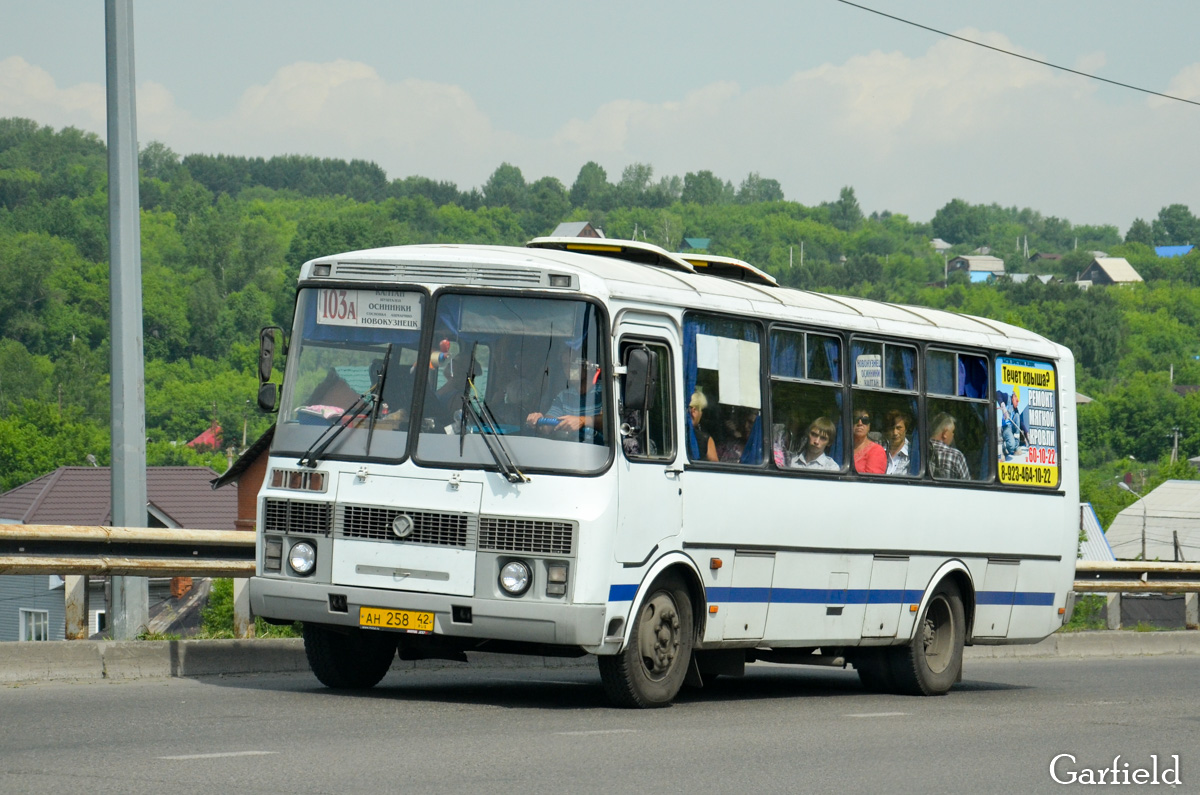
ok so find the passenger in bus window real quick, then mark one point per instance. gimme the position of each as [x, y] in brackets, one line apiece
[895, 431]
[704, 442]
[869, 456]
[820, 436]
[737, 431]
[945, 460]
[577, 409]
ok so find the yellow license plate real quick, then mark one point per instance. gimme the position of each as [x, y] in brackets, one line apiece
[401, 620]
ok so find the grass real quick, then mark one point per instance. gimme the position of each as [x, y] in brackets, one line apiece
[1087, 615]
[217, 617]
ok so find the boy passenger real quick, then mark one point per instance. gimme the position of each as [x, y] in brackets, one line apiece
[813, 456]
[895, 432]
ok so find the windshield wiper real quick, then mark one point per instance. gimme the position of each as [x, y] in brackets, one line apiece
[485, 421]
[327, 437]
[387, 357]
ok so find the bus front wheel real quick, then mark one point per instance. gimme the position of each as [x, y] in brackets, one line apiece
[932, 661]
[651, 668]
[356, 659]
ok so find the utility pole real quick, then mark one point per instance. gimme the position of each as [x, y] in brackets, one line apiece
[130, 605]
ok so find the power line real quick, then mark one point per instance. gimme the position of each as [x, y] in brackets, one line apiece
[1018, 55]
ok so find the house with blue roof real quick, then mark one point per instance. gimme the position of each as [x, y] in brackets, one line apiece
[1172, 251]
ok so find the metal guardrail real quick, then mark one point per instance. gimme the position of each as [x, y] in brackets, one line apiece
[159, 551]
[1136, 576]
[126, 551]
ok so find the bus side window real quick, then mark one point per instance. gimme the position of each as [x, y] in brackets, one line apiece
[956, 415]
[806, 401]
[649, 434]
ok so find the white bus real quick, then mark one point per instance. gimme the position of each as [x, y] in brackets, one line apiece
[666, 461]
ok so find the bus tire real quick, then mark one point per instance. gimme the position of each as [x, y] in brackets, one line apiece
[932, 661]
[651, 668]
[357, 659]
[874, 668]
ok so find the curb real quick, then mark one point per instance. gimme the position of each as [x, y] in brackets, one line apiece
[1098, 643]
[96, 660]
[99, 660]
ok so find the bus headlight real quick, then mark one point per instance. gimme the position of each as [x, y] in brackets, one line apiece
[302, 558]
[515, 577]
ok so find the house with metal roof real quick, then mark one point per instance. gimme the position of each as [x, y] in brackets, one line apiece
[979, 267]
[1172, 251]
[1169, 519]
[1110, 270]
[1094, 545]
[32, 606]
[576, 229]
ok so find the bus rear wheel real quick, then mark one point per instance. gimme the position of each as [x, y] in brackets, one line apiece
[356, 659]
[932, 661]
[651, 668]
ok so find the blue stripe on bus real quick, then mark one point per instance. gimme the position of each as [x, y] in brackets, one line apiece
[857, 596]
[854, 596]
[1021, 598]
[622, 593]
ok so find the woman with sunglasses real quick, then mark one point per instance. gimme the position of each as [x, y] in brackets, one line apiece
[869, 455]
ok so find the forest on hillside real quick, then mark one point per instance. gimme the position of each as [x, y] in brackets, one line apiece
[223, 238]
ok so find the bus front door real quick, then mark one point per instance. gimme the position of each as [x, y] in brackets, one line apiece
[648, 494]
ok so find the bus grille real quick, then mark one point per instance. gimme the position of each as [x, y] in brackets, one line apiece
[525, 535]
[442, 272]
[375, 524]
[297, 516]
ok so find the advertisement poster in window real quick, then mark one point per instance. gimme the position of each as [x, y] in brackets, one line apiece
[1026, 422]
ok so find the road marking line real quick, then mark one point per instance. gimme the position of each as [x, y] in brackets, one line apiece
[220, 756]
[542, 681]
[877, 715]
[598, 731]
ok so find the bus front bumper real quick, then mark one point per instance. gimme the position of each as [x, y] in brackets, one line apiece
[579, 625]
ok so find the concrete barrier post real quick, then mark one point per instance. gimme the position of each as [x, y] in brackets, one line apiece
[76, 596]
[1191, 611]
[1114, 611]
[243, 622]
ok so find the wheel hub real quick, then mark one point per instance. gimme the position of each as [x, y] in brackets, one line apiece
[660, 637]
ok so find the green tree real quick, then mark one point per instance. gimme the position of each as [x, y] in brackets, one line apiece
[756, 188]
[960, 223]
[705, 188]
[158, 161]
[1176, 226]
[1140, 232]
[845, 214]
[549, 204]
[591, 188]
[506, 188]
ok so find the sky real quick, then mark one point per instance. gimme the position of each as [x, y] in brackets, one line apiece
[816, 94]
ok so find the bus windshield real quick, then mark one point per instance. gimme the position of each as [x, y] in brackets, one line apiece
[531, 368]
[353, 364]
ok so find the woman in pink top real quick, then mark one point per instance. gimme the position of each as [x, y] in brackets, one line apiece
[869, 456]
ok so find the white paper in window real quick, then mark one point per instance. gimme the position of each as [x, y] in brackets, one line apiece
[868, 369]
[738, 371]
[706, 352]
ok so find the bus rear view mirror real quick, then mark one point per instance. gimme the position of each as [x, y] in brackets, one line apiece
[268, 396]
[641, 379]
[266, 353]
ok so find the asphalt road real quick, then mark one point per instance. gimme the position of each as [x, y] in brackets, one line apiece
[522, 730]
